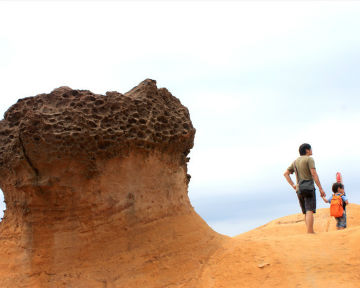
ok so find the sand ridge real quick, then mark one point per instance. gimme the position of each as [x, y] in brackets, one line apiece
[281, 254]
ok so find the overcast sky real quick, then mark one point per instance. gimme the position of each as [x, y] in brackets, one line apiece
[259, 79]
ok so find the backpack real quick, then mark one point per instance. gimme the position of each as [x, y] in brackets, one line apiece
[336, 206]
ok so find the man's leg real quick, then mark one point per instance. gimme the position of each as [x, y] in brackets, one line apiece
[309, 221]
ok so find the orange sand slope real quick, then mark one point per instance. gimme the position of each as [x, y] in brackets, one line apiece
[280, 254]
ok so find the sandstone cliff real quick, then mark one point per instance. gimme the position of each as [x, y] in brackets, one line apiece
[96, 194]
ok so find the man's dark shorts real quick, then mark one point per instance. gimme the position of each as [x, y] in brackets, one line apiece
[307, 203]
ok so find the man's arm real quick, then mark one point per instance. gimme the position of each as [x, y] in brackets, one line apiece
[288, 179]
[317, 181]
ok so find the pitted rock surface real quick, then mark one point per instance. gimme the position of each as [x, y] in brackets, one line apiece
[78, 123]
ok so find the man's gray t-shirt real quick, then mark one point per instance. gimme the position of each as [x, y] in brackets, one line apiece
[303, 165]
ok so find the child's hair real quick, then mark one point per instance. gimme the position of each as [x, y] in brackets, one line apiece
[336, 186]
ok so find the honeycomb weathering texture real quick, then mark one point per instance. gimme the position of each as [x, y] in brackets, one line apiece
[67, 123]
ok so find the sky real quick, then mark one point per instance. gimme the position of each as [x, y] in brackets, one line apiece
[259, 78]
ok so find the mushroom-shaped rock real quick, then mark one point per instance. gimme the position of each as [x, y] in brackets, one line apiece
[96, 191]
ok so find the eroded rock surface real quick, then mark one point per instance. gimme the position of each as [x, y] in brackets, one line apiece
[96, 191]
[79, 123]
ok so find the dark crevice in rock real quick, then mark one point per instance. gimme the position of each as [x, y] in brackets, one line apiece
[36, 171]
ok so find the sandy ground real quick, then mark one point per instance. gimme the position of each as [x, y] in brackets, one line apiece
[281, 254]
[182, 251]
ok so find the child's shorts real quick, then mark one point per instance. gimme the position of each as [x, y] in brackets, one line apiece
[341, 221]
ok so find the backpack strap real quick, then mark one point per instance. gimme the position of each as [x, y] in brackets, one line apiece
[342, 201]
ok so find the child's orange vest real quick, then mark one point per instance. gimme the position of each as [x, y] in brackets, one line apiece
[336, 206]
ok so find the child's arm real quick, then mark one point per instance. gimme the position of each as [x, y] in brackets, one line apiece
[325, 200]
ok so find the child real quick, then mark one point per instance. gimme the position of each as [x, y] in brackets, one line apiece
[338, 189]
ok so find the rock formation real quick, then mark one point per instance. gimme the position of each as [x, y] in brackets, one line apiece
[96, 194]
[96, 191]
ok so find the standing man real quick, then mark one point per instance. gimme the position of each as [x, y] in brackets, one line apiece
[305, 167]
